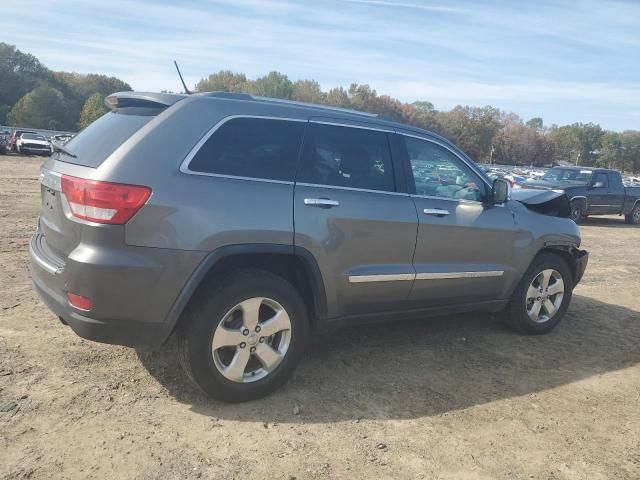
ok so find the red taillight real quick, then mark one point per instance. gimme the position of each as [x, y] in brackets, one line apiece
[79, 302]
[103, 202]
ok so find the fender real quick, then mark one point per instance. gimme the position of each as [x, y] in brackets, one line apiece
[308, 260]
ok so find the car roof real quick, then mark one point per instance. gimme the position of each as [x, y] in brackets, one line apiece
[594, 169]
[149, 99]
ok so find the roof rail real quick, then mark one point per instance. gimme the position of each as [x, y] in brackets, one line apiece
[316, 105]
[232, 95]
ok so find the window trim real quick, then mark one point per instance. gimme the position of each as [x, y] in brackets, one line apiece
[184, 166]
[397, 185]
[407, 163]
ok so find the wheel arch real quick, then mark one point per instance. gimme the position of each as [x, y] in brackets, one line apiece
[567, 253]
[295, 264]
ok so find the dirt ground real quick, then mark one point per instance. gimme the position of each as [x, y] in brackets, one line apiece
[456, 397]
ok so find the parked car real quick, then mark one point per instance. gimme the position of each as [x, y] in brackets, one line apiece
[245, 225]
[33, 143]
[593, 191]
[61, 138]
[15, 135]
[5, 135]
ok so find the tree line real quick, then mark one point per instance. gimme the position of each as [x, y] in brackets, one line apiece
[487, 134]
[33, 96]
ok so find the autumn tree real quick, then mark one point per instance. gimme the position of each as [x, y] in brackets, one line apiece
[93, 109]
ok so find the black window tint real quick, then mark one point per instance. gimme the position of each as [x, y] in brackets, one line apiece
[252, 147]
[95, 143]
[601, 180]
[347, 157]
[439, 173]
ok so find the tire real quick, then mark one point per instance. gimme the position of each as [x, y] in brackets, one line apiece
[633, 217]
[577, 211]
[210, 368]
[517, 313]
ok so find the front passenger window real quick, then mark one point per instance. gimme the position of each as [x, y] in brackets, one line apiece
[439, 173]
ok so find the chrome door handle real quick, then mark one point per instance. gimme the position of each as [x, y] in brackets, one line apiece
[321, 202]
[438, 212]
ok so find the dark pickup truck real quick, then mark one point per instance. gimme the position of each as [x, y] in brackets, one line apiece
[592, 191]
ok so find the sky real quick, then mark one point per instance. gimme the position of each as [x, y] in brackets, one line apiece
[564, 61]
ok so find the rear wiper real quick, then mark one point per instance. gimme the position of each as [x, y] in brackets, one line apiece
[61, 149]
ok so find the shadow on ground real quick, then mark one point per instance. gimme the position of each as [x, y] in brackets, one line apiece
[608, 222]
[422, 368]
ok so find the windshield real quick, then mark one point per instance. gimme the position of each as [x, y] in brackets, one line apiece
[568, 175]
[31, 136]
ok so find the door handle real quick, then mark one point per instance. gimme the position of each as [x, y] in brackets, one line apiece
[321, 202]
[438, 212]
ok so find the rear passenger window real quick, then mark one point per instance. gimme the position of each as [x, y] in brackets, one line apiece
[252, 147]
[347, 157]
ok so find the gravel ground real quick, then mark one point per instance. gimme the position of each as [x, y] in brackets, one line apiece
[455, 397]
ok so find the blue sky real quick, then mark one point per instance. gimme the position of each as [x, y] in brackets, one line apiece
[564, 61]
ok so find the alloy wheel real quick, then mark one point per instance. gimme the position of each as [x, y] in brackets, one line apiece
[544, 295]
[251, 340]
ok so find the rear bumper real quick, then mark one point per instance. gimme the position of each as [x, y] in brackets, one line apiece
[132, 289]
[581, 259]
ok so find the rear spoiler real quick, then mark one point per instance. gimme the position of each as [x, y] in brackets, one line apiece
[119, 100]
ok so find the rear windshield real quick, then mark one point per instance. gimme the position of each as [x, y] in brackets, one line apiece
[31, 136]
[95, 143]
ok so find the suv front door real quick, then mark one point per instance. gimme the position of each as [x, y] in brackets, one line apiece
[465, 246]
[350, 214]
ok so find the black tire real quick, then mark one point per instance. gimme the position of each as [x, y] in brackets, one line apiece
[633, 217]
[577, 211]
[516, 313]
[202, 319]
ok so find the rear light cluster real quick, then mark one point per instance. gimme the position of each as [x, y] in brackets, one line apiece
[103, 202]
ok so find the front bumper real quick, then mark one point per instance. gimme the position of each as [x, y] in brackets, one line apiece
[581, 258]
[132, 289]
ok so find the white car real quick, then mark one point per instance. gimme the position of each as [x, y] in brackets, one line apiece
[32, 143]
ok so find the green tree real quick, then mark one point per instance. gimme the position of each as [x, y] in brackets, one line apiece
[274, 84]
[43, 107]
[536, 123]
[630, 151]
[19, 74]
[610, 155]
[223, 81]
[93, 109]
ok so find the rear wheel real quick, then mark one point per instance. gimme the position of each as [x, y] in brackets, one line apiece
[242, 340]
[542, 297]
[577, 211]
[633, 217]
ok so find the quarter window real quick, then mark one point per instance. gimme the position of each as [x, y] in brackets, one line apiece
[252, 147]
[439, 173]
[347, 157]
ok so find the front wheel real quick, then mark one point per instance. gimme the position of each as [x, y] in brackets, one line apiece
[241, 340]
[542, 297]
[633, 217]
[577, 211]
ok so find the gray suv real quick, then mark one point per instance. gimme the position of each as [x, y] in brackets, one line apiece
[243, 225]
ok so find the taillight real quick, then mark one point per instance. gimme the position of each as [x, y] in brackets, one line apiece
[103, 202]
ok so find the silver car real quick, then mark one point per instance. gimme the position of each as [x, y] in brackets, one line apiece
[244, 225]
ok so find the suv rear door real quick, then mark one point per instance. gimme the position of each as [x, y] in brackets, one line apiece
[464, 251]
[349, 212]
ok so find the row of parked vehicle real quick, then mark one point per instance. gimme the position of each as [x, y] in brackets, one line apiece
[29, 142]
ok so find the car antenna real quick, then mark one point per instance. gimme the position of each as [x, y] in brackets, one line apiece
[186, 90]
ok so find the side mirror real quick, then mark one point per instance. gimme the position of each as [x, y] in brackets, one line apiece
[598, 184]
[500, 191]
